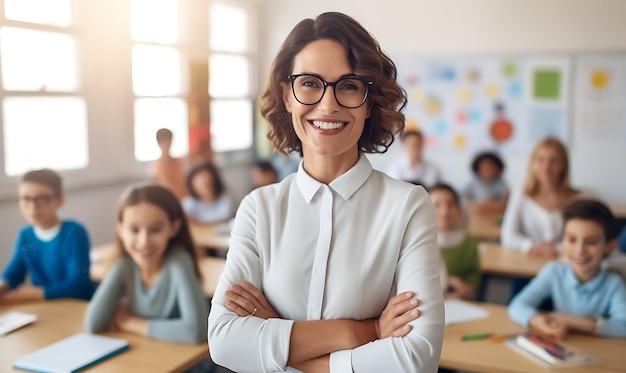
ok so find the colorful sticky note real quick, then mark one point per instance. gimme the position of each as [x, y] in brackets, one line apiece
[515, 89]
[464, 95]
[509, 69]
[416, 95]
[474, 115]
[460, 141]
[599, 79]
[411, 125]
[547, 84]
[492, 90]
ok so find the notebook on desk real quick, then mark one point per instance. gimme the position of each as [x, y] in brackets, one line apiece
[72, 354]
[14, 320]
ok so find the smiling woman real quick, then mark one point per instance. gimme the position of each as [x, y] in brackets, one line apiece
[333, 257]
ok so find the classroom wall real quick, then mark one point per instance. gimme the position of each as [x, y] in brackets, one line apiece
[436, 28]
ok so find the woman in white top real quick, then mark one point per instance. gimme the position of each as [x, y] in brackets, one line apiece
[324, 267]
[532, 221]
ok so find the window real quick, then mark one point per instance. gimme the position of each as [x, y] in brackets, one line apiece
[230, 64]
[42, 104]
[157, 73]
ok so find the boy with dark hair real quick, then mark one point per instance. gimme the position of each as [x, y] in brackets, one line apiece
[54, 252]
[586, 299]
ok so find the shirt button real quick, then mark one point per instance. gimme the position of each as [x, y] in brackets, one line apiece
[316, 315]
[319, 269]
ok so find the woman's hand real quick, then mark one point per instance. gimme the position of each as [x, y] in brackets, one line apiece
[395, 318]
[247, 300]
[548, 325]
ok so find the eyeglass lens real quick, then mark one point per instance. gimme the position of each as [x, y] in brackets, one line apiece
[349, 92]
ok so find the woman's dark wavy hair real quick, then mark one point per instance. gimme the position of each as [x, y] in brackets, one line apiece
[386, 98]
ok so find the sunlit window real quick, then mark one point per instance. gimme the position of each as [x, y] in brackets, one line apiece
[47, 12]
[154, 21]
[228, 28]
[44, 132]
[38, 61]
[42, 110]
[157, 72]
[229, 77]
[154, 113]
[231, 124]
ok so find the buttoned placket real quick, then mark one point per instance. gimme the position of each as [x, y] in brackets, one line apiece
[320, 261]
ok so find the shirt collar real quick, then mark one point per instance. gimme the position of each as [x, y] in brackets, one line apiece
[345, 185]
[592, 285]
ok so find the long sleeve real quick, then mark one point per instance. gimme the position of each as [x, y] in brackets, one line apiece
[512, 234]
[417, 271]
[15, 272]
[77, 283]
[525, 305]
[264, 343]
[191, 326]
[614, 323]
[327, 252]
[106, 298]
[473, 274]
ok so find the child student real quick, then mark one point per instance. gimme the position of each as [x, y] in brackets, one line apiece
[585, 298]
[154, 289]
[412, 166]
[263, 173]
[458, 249]
[54, 252]
[487, 192]
[208, 201]
[167, 170]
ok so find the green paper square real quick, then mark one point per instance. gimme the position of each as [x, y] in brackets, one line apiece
[547, 84]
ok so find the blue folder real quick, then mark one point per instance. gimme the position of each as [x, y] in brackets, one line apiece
[72, 354]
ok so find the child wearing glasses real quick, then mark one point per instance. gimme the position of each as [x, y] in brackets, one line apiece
[53, 252]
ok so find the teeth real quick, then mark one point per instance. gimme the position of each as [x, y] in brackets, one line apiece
[328, 125]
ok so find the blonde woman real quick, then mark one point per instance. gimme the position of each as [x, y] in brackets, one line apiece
[533, 222]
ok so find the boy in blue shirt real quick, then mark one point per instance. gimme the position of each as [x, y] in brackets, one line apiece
[586, 299]
[53, 252]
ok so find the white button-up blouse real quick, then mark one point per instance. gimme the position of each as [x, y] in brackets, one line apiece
[332, 251]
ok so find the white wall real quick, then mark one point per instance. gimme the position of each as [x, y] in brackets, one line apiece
[481, 27]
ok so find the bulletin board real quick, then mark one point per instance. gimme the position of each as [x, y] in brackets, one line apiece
[504, 104]
[600, 96]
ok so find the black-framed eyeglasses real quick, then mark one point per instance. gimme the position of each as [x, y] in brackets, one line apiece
[350, 91]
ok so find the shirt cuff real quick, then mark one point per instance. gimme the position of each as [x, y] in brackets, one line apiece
[341, 361]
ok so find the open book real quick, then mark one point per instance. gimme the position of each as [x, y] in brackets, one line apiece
[548, 352]
[11, 321]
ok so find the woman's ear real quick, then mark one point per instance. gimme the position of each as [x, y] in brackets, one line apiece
[175, 228]
[286, 95]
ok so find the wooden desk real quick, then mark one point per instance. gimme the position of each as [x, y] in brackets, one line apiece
[485, 227]
[495, 260]
[211, 268]
[63, 318]
[489, 357]
[103, 257]
[210, 236]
